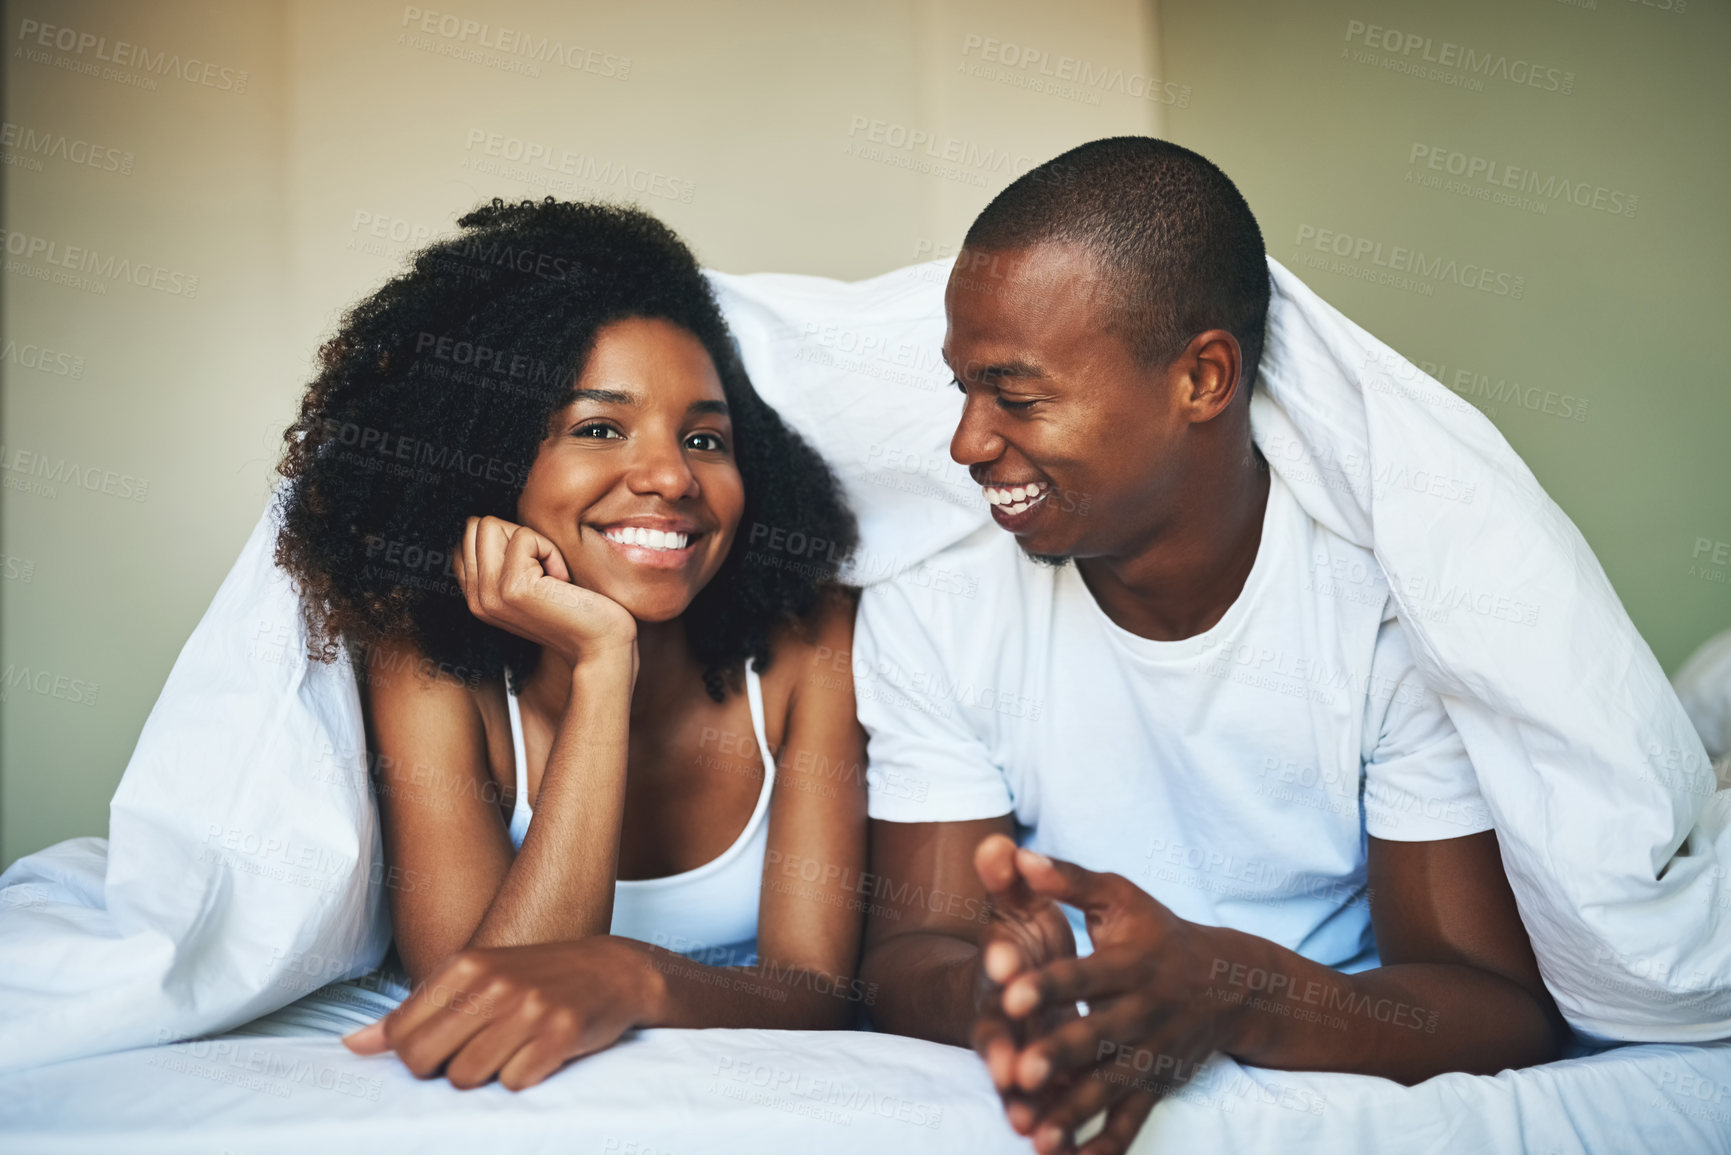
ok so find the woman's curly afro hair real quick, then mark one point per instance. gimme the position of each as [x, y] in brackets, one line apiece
[434, 396]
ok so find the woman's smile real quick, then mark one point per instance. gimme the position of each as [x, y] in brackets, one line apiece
[655, 543]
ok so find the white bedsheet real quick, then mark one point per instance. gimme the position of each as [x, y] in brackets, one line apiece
[738, 1092]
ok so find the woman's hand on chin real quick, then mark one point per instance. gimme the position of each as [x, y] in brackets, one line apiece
[516, 579]
[519, 1013]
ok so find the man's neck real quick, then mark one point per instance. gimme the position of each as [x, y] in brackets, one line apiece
[1185, 580]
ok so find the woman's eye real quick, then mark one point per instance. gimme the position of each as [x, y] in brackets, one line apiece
[960, 388]
[706, 442]
[596, 430]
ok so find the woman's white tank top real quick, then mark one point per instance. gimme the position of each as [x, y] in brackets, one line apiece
[709, 912]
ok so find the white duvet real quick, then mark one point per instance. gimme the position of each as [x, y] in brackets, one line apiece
[243, 868]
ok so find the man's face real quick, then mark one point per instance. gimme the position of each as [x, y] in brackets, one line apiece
[1074, 442]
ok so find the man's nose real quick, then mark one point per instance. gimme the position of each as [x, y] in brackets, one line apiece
[975, 441]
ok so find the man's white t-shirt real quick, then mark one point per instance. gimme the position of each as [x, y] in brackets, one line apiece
[1233, 775]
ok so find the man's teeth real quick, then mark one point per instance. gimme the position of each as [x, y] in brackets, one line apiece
[647, 538]
[1018, 498]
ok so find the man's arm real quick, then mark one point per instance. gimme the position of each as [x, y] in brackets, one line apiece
[936, 793]
[1455, 957]
[1459, 991]
[925, 961]
[959, 920]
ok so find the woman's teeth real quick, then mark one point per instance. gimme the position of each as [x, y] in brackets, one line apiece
[1016, 499]
[648, 538]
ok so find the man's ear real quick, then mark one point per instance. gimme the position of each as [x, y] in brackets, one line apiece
[1209, 374]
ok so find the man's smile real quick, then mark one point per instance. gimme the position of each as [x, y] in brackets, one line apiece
[1010, 503]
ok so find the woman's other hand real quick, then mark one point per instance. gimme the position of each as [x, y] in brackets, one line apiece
[519, 1013]
[516, 579]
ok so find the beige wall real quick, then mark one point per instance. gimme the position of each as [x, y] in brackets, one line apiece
[357, 131]
[1608, 371]
[169, 417]
[354, 133]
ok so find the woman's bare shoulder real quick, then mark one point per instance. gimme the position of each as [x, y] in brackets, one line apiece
[813, 658]
[397, 668]
[830, 623]
[405, 690]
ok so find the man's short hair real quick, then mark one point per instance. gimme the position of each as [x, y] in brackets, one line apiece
[1176, 245]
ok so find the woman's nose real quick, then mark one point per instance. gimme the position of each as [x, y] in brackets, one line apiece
[662, 470]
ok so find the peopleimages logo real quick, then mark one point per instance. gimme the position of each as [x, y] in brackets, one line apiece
[866, 131]
[1070, 75]
[48, 684]
[34, 145]
[1497, 176]
[43, 360]
[35, 34]
[84, 260]
[31, 470]
[422, 459]
[1447, 61]
[516, 42]
[529, 159]
[1400, 259]
[1502, 391]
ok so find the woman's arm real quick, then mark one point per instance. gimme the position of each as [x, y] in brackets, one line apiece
[560, 885]
[437, 802]
[520, 1014]
[440, 804]
[442, 822]
[815, 889]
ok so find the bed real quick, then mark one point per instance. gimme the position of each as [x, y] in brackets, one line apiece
[286, 1084]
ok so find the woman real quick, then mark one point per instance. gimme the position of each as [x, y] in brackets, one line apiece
[576, 721]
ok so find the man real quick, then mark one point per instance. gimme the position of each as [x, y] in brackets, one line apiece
[1173, 674]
